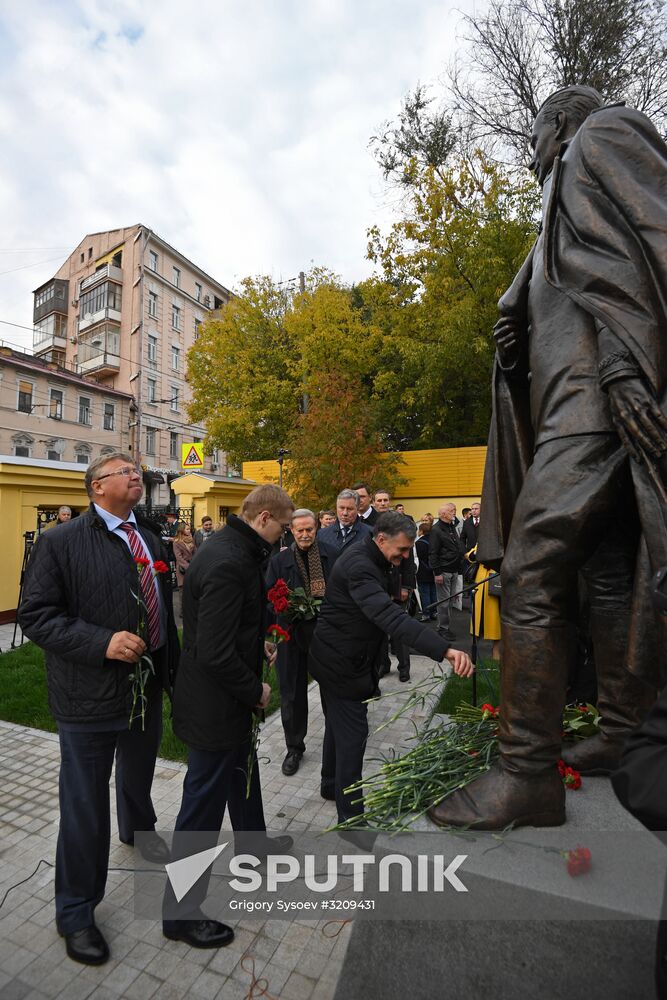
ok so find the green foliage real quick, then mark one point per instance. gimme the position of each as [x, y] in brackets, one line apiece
[464, 235]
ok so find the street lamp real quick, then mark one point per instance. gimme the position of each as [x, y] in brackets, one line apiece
[281, 458]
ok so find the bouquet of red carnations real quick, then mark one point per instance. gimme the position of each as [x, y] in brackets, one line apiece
[296, 605]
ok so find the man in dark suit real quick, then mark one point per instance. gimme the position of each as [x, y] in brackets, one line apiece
[306, 563]
[349, 528]
[357, 613]
[367, 511]
[470, 528]
[219, 686]
[79, 606]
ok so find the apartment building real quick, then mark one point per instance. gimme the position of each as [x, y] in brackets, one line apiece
[52, 414]
[124, 309]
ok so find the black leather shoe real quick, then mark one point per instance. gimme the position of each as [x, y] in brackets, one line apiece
[87, 946]
[273, 845]
[384, 669]
[199, 933]
[152, 848]
[328, 792]
[291, 763]
[404, 675]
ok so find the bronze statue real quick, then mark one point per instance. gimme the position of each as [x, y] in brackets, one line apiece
[575, 476]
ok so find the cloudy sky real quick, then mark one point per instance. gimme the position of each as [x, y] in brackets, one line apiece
[236, 129]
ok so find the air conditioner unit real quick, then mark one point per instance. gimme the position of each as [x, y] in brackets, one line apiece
[73, 340]
[75, 302]
[207, 301]
[214, 466]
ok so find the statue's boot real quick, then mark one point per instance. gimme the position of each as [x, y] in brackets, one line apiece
[524, 787]
[623, 699]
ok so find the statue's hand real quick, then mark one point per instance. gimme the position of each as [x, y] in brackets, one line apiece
[638, 418]
[508, 334]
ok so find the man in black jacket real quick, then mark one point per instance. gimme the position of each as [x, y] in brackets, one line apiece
[79, 606]
[367, 512]
[446, 559]
[470, 529]
[219, 687]
[306, 563]
[357, 613]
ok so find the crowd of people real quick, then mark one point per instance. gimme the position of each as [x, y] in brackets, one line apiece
[80, 604]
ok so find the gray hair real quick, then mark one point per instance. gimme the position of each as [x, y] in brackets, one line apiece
[61, 510]
[577, 101]
[391, 524]
[303, 512]
[99, 463]
[348, 495]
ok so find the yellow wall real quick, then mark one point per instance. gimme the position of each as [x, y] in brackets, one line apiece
[434, 476]
[211, 496]
[23, 489]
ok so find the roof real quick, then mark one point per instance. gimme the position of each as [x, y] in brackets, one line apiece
[44, 463]
[29, 362]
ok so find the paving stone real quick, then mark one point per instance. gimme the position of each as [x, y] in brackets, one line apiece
[207, 985]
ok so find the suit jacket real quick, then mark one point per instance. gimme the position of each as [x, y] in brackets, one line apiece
[469, 534]
[282, 566]
[371, 518]
[77, 593]
[224, 626]
[333, 536]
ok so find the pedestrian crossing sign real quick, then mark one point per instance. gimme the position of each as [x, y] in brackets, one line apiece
[192, 456]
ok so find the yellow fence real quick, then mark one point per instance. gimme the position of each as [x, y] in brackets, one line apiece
[434, 476]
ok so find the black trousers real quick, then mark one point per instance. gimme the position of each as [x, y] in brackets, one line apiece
[345, 736]
[82, 853]
[293, 679]
[215, 781]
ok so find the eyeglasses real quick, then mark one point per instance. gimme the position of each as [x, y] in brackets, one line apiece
[285, 527]
[127, 470]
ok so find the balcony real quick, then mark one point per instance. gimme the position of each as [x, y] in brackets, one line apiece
[99, 364]
[51, 298]
[50, 334]
[99, 352]
[92, 319]
[106, 272]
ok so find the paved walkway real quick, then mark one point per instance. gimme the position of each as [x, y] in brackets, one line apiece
[299, 960]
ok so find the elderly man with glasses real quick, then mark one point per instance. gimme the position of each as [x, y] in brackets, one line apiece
[80, 605]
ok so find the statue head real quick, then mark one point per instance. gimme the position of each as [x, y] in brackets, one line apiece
[557, 121]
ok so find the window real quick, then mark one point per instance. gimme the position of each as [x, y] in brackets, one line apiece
[198, 291]
[152, 349]
[56, 404]
[151, 386]
[176, 276]
[21, 451]
[197, 328]
[152, 260]
[103, 296]
[174, 397]
[82, 458]
[152, 304]
[109, 416]
[175, 317]
[90, 252]
[84, 410]
[150, 440]
[175, 358]
[173, 445]
[24, 404]
[53, 456]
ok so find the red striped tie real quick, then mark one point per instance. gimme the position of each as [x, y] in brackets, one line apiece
[148, 586]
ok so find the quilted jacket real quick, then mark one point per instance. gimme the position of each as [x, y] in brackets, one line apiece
[77, 593]
[357, 613]
[224, 625]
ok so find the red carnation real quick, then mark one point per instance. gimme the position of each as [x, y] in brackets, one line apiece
[561, 767]
[141, 561]
[277, 634]
[578, 861]
[572, 778]
[278, 595]
[160, 567]
[488, 711]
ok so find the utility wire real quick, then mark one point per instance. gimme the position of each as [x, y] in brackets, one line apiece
[37, 263]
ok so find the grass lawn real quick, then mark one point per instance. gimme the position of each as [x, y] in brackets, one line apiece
[23, 698]
[459, 689]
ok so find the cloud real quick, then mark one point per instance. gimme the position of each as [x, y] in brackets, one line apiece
[238, 132]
